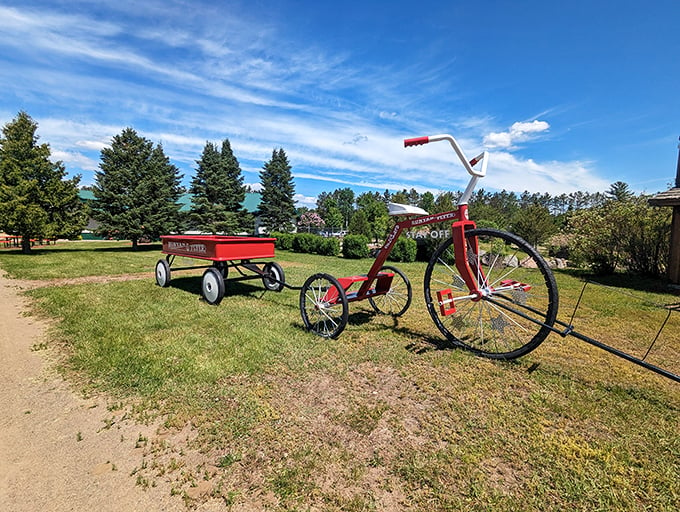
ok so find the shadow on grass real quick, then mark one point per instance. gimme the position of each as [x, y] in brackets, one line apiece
[620, 280]
[192, 284]
[47, 249]
[189, 284]
[153, 247]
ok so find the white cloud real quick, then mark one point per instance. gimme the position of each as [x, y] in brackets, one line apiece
[302, 200]
[74, 159]
[224, 82]
[509, 172]
[519, 132]
[92, 145]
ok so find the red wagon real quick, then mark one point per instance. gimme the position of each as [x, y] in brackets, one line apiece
[224, 252]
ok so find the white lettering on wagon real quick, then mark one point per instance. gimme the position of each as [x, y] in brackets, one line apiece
[194, 248]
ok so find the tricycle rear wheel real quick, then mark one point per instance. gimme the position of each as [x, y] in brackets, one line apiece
[323, 306]
[398, 299]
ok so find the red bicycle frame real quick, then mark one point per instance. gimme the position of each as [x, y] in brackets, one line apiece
[460, 223]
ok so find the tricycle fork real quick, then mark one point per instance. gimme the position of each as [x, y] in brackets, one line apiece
[468, 268]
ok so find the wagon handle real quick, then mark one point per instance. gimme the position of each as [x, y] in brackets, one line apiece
[482, 157]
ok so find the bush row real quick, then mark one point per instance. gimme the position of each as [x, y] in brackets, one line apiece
[307, 243]
[353, 246]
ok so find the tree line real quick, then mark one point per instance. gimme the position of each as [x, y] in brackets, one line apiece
[137, 191]
[605, 231]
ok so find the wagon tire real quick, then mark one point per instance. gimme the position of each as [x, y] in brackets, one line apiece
[324, 317]
[273, 277]
[222, 267]
[163, 273]
[212, 286]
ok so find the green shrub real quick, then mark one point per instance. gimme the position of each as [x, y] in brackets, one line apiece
[306, 243]
[329, 247]
[355, 247]
[622, 234]
[558, 245]
[284, 241]
[425, 248]
[404, 250]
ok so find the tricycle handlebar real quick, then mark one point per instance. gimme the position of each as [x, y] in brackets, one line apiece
[483, 157]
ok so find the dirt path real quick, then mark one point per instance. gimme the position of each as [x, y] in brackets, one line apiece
[56, 451]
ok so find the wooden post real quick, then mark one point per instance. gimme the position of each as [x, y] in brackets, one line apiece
[672, 198]
[674, 259]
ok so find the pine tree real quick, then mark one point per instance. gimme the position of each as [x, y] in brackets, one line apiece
[619, 191]
[534, 223]
[427, 202]
[35, 199]
[136, 190]
[218, 192]
[277, 206]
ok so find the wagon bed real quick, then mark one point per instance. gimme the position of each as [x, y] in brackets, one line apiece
[224, 252]
[217, 247]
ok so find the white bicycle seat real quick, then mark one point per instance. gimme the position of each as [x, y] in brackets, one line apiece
[395, 209]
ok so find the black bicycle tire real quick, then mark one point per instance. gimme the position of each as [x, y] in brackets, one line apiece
[315, 326]
[409, 293]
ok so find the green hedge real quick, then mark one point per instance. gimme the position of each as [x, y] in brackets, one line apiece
[307, 243]
[355, 247]
[284, 241]
[404, 250]
[329, 247]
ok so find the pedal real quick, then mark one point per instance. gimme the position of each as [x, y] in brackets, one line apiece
[445, 300]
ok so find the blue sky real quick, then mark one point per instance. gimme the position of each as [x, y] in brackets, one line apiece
[564, 95]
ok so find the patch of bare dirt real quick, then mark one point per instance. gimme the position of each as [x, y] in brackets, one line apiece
[58, 450]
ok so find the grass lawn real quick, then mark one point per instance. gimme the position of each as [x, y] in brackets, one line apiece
[383, 418]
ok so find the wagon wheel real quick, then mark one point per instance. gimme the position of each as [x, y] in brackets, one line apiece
[323, 306]
[222, 267]
[212, 286]
[273, 277]
[398, 299]
[163, 273]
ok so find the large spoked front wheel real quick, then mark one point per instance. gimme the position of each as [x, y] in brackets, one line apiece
[517, 302]
[397, 299]
[323, 306]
